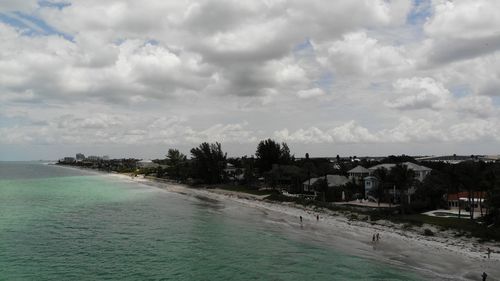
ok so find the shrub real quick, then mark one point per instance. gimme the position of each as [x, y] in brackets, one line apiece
[407, 226]
[428, 232]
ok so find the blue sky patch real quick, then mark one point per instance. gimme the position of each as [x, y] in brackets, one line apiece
[31, 25]
[325, 82]
[420, 11]
[54, 4]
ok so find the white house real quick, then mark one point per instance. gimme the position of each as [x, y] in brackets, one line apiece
[147, 164]
[420, 171]
[358, 173]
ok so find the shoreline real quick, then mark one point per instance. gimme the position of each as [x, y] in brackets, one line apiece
[439, 257]
[443, 256]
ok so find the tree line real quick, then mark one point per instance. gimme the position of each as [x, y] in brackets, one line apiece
[275, 166]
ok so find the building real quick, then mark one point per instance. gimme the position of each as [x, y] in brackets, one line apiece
[332, 180]
[371, 183]
[93, 158]
[420, 171]
[80, 157]
[450, 159]
[358, 173]
[462, 198]
[68, 160]
[147, 164]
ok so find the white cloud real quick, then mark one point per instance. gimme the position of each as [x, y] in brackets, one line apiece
[349, 133]
[476, 129]
[419, 93]
[310, 93]
[179, 72]
[479, 106]
[16, 5]
[358, 54]
[462, 30]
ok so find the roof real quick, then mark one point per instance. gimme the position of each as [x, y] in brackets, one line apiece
[465, 194]
[359, 170]
[333, 180]
[410, 165]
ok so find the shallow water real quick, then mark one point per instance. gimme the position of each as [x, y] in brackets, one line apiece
[58, 223]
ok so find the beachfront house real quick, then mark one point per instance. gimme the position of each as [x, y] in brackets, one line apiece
[332, 180]
[358, 173]
[234, 173]
[462, 198]
[421, 172]
[371, 183]
[147, 164]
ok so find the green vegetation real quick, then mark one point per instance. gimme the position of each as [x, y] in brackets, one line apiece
[208, 162]
[246, 189]
[464, 226]
[275, 167]
[269, 153]
[428, 232]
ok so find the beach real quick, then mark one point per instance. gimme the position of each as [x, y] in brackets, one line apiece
[444, 255]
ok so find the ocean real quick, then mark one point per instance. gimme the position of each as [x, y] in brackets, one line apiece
[59, 223]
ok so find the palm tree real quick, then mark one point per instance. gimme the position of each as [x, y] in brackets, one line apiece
[382, 176]
[404, 179]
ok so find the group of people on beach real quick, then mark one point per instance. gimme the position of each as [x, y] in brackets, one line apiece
[376, 237]
[488, 253]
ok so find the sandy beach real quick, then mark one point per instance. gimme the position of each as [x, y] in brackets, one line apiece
[441, 257]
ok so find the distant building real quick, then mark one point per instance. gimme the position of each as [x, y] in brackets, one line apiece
[462, 198]
[455, 159]
[147, 164]
[68, 160]
[80, 157]
[105, 158]
[358, 173]
[93, 158]
[450, 159]
[420, 171]
[332, 180]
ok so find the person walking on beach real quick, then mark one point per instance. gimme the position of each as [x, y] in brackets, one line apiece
[317, 219]
[300, 219]
[484, 275]
[373, 238]
[378, 237]
[488, 252]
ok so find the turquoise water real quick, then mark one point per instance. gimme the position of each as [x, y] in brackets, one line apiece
[63, 224]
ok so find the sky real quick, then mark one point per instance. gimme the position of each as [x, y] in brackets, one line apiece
[135, 78]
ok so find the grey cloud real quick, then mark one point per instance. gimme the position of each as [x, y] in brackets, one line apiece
[450, 50]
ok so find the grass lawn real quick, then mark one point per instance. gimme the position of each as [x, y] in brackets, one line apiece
[461, 225]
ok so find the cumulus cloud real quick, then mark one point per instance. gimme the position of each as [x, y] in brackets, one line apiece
[358, 54]
[15, 5]
[419, 93]
[347, 133]
[122, 129]
[310, 93]
[462, 30]
[180, 72]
